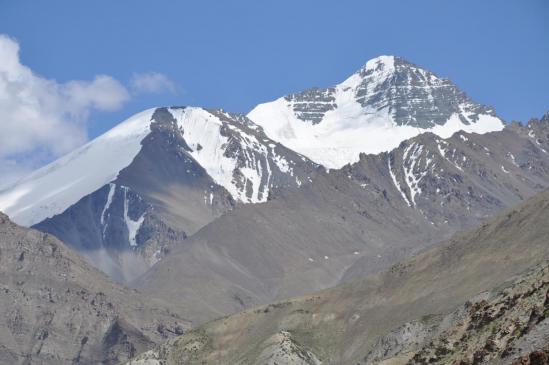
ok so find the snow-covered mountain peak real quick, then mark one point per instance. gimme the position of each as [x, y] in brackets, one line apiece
[389, 65]
[236, 153]
[387, 101]
[377, 69]
[230, 148]
[382, 69]
[384, 64]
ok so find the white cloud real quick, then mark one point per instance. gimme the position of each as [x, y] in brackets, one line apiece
[152, 82]
[11, 171]
[40, 118]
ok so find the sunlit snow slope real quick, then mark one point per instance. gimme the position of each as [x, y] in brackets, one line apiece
[387, 101]
[53, 188]
[236, 153]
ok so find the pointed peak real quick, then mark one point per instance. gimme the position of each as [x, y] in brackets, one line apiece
[387, 64]
[383, 62]
[380, 68]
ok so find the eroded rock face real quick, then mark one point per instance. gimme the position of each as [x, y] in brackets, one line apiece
[279, 349]
[116, 230]
[497, 328]
[58, 309]
[311, 105]
[411, 95]
[415, 96]
[539, 357]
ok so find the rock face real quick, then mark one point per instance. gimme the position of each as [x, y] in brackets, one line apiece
[477, 298]
[349, 223]
[411, 95]
[57, 309]
[495, 328]
[117, 230]
[385, 102]
[540, 357]
[278, 349]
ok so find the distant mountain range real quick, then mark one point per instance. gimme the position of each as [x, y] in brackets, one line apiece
[352, 222]
[211, 213]
[128, 197]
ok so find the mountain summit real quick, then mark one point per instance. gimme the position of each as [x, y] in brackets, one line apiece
[150, 182]
[228, 148]
[387, 101]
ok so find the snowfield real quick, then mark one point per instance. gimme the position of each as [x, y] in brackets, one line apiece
[55, 187]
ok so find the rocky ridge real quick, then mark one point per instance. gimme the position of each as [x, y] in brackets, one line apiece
[57, 309]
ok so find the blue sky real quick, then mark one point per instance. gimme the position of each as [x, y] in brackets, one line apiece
[235, 54]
